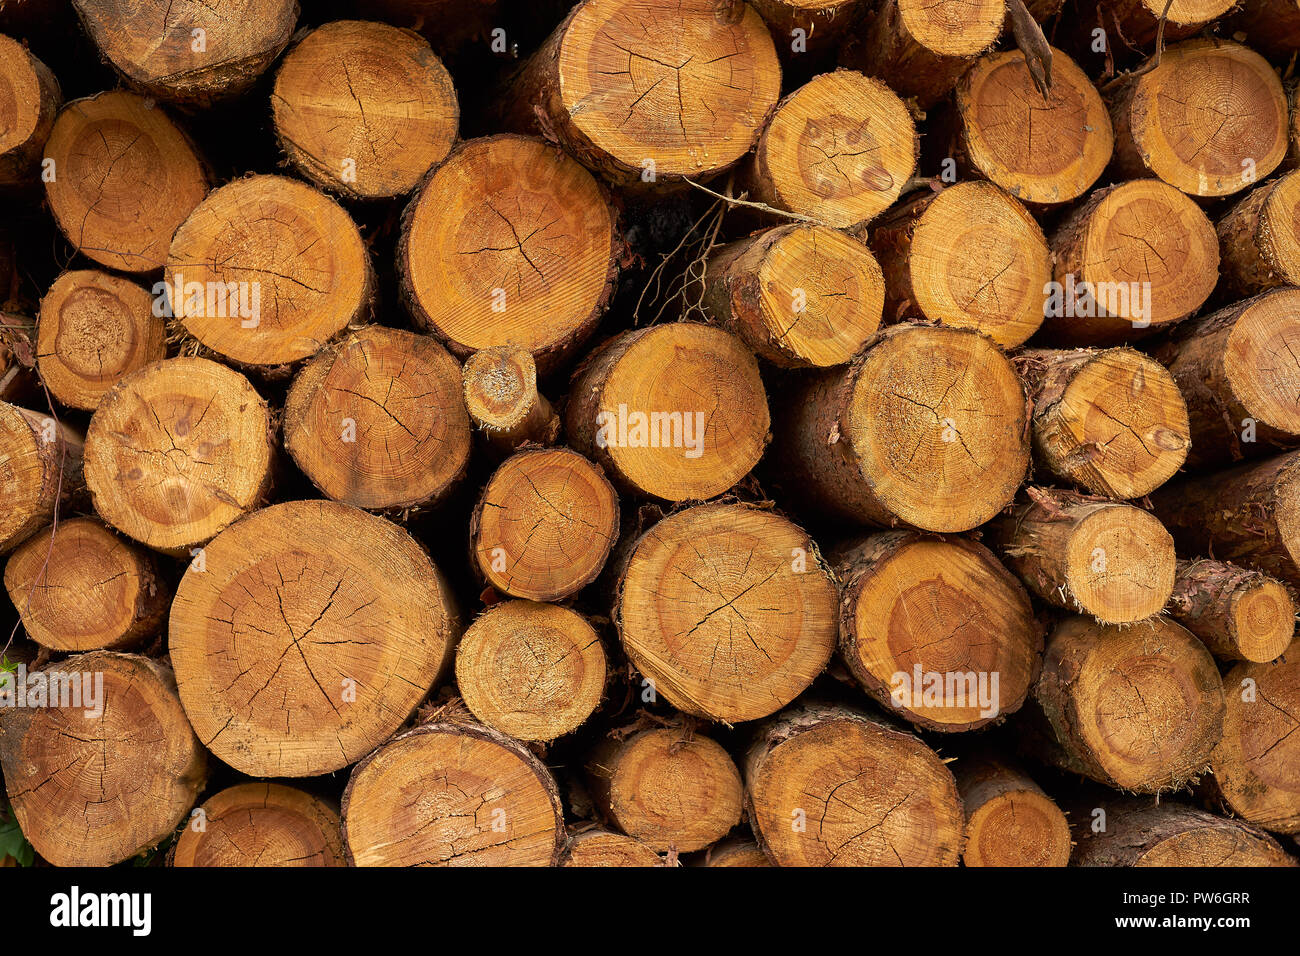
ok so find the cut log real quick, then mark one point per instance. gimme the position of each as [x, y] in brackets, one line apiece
[260, 824]
[921, 49]
[670, 789]
[646, 91]
[306, 637]
[123, 178]
[377, 421]
[500, 386]
[1237, 369]
[191, 53]
[928, 427]
[970, 257]
[1255, 765]
[1132, 258]
[798, 295]
[107, 772]
[452, 794]
[1137, 708]
[18, 384]
[606, 848]
[736, 852]
[508, 243]
[675, 411]
[40, 468]
[1042, 150]
[1139, 833]
[1271, 26]
[29, 99]
[1010, 821]
[364, 109]
[95, 327]
[838, 150]
[936, 629]
[79, 587]
[808, 26]
[267, 270]
[1111, 421]
[177, 451]
[827, 786]
[727, 610]
[1259, 246]
[533, 671]
[1241, 615]
[1138, 21]
[1209, 119]
[1249, 515]
[1110, 560]
[545, 525]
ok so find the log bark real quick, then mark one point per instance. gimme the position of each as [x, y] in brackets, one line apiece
[95, 327]
[922, 49]
[1132, 258]
[41, 469]
[668, 788]
[260, 824]
[377, 420]
[898, 437]
[1138, 708]
[1254, 765]
[533, 671]
[1041, 150]
[675, 411]
[604, 848]
[1272, 26]
[1258, 246]
[1110, 560]
[1139, 833]
[509, 243]
[545, 525]
[500, 387]
[602, 86]
[94, 782]
[838, 150]
[1241, 615]
[1112, 421]
[913, 607]
[307, 636]
[364, 109]
[1167, 126]
[27, 113]
[79, 587]
[736, 852]
[969, 257]
[266, 271]
[154, 45]
[1138, 21]
[699, 580]
[124, 177]
[799, 295]
[177, 451]
[1010, 821]
[828, 786]
[1249, 515]
[1237, 369]
[452, 794]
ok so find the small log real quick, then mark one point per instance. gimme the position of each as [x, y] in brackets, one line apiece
[808, 26]
[1241, 615]
[1258, 246]
[33, 97]
[604, 848]
[545, 525]
[736, 852]
[1010, 821]
[452, 794]
[40, 469]
[1139, 21]
[533, 671]
[260, 824]
[500, 386]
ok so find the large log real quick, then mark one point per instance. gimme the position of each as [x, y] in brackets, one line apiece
[936, 629]
[260, 824]
[1258, 246]
[728, 610]
[828, 786]
[598, 847]
[927, 427]
[107, 766]
[452, 794]
[306, 636]
[1140, 833]
[364, 109]
[606, 85]
[1137, 22]
[32, 97]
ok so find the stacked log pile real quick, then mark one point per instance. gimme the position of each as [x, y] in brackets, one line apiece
[650, 433]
